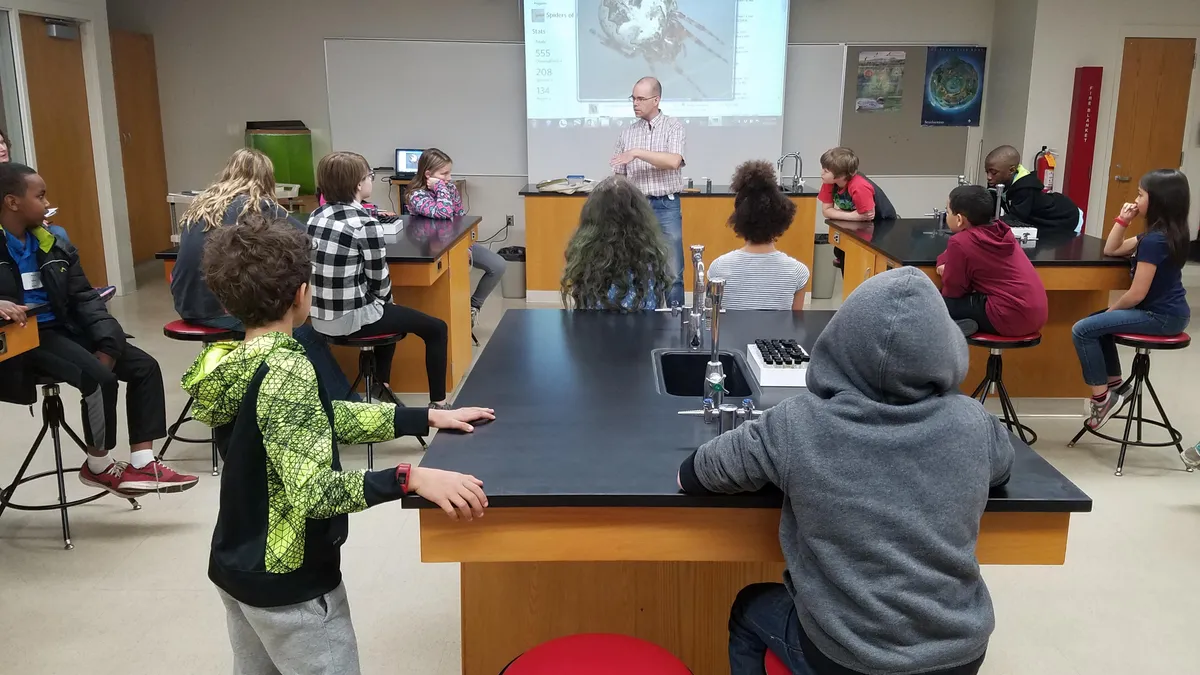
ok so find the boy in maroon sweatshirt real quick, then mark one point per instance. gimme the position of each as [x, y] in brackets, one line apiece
[987, 280]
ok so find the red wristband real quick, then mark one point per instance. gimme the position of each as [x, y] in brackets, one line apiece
[403, 471]
[1122, 222]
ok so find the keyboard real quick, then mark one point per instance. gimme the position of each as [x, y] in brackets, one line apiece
[387, 220]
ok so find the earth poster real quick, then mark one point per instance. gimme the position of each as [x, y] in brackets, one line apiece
[953, 86]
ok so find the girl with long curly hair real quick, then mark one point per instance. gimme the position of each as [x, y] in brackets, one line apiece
[617, 259]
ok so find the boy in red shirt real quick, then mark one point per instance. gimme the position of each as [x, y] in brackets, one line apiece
[848, 195]
[987, 280]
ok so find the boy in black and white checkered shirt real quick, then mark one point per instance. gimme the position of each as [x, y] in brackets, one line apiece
[352, 291]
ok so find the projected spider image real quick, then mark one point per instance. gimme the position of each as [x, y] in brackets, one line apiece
[658, 34]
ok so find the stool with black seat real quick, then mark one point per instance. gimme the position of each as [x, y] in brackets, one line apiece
[366, 371]
[1137, 385]
[597, 654]
[53, 420]
[994, 377]
[191, 332]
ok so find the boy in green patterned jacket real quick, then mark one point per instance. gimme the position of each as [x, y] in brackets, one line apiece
[284, 498]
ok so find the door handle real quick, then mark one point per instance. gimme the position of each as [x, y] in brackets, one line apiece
[1121, 179]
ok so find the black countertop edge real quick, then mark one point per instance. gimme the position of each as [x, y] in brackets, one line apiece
[842, 226]
[173, 254]
[30, 310]
[717, 191]
[765, 500]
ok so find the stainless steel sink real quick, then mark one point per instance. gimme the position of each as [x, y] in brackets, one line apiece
[681, 373]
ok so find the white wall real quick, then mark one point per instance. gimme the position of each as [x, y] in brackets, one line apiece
[102, 110]
[223, 62]
[1010, 62]
[1070, 34]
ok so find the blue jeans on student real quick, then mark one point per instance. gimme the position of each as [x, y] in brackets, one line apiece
[670, 219]
[1097, 348]
[764, 617]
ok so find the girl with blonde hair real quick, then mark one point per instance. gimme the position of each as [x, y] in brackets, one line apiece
[245, 185]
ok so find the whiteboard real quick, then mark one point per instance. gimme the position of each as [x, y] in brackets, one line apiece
[480, 119]
[473, 107]
[812, 103]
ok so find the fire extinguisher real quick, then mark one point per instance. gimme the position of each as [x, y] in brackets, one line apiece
[1044, 164]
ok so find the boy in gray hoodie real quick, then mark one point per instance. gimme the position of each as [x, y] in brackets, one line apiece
[885, 469]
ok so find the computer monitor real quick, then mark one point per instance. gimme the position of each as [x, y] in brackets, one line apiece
[406, 161]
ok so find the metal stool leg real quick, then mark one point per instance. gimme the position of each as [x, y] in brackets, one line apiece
[1176, 436]
[174, 428]
[215, 455]
[62, 487]
[6, 494]
[366, 368]
[1129, 418]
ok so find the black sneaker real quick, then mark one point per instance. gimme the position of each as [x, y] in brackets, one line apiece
[968, 327]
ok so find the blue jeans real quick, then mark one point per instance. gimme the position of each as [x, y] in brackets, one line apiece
[764, 617]
[1097, 349]
[670, 219]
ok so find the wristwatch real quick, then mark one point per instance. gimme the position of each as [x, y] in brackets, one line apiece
[403, 471]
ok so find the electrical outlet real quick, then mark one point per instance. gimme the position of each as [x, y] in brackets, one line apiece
[508, 221]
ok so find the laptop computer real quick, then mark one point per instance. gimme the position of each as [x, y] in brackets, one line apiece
[406, 162]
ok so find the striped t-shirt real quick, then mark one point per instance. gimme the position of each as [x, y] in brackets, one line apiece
[759, 280]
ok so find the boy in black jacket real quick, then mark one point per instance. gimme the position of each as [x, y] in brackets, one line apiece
[81, 344]
[1025, 197]
[276, 549]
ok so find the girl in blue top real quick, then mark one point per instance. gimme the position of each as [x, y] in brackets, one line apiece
[617, 259]
[1156, 303]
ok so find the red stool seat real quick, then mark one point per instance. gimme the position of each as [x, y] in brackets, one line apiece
[597, 654]
[774, 665]
[191, 332]
[366, 340]
[1153, 341]
[1004, 342]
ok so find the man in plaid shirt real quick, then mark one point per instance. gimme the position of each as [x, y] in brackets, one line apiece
[650, 153]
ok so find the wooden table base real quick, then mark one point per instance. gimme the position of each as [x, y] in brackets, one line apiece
[668, 575]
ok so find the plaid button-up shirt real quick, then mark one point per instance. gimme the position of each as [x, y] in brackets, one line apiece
[662, 134]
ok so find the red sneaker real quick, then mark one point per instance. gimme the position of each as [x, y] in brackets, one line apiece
[155, 477]
[110, 479]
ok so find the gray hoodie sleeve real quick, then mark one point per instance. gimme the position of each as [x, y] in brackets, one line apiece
[1000, 451]
[742, 460]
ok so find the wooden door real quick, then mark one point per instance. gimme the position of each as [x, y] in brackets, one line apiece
[62, 134]
[1152, 104]
[142, 154]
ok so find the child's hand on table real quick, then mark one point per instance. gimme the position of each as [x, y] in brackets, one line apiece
[459, 495]
[459, 419]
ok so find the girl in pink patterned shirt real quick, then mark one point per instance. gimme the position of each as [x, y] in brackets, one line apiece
[433, 194]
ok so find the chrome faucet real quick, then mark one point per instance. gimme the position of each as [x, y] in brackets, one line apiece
[714, 374]
[999, 199]
[962, 180]
[695, 318]
[799, 168]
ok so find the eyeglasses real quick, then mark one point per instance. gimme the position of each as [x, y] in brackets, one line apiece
[642, 99]
[371, 176]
